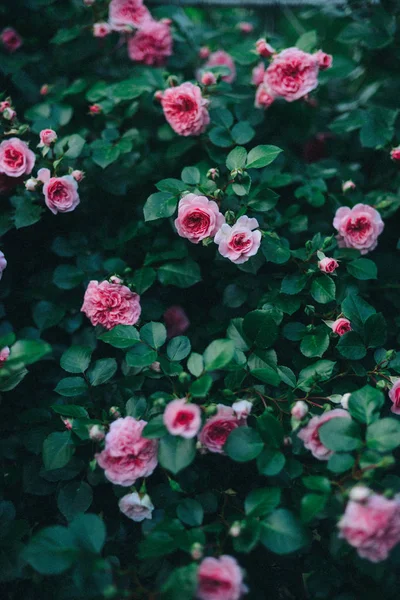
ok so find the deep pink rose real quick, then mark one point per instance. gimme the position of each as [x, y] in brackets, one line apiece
[309, 433]
[394, 395]
[395, 153]
[61, 194]
[111, 304]
[220, 58]
[182, 418]
[341, 326]
[324, 60]
[217, 428]
[101, 30]
[4, 354]
[95, 109]
[151, 44]
[185, 109]
[358, 227]
[3, 263]
[263, 98]
[264, 49]
[127, 455]
[208, 78]
[245, 27]
[372, 526]
[198, 218]
[3, 105]
[176, 321]
[16, 159]
[292, 74]
[328, 265]
[11, 39]
[240, 242]
[126, 14]
[47, 137]
[220, 579]
[257, 74]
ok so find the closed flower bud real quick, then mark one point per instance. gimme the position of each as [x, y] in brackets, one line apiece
[68, 423]
[172, 81]
[230, 217]
[78, 175]
[245, 27]
[114, 412]
[196, 551]
[44, 90]
[381, 384]
[96, 433]
[30, 184]
[158, 95]
[47, 137]
[395, 153]
[235, 529]
[211, 410]
[359, 493]
[156, 367]
[328, 265]
[208, 78]
[115, 279]
[264, 49]
[348, 185]
[204, 52]
[9, 114]
[345, 401]
[299, 410]
[3, 105]
[94, 109]
[213, 174]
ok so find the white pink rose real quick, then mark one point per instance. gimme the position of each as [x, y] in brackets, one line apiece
[16, 159]
[151, 44]
[220, 579]
[292, 74]
[242, 408]
[198, 218]
[328, 265]
[111, 304]
[358, 227]
[135, 507]
[185, 109]
[182, 418]
[310, 433]
[240, 242]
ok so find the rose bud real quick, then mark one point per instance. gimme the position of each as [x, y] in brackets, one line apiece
[101, 30]
[299, 410]
[96, 433]
[328, 265]
[68, 423]
[235, 529]
[47, 137]
[158, 95]
[4, 352]
[208, 78]
[9, 114]
[324, 60]
[345, 401]
[114, 412]
[156, 367]
[341, 326]
[94, 109]
[30, 184]
[11, 39]
[264, 49]
[242, 408]
[78, 175]
[204, 52]
[3, 105]
[44, 90]
[213, 174]
[348, 185]
[196, 551]
[395, 153]
[359, 493]
[245, 27]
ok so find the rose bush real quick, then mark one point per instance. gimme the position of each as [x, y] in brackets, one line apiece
[199, 334]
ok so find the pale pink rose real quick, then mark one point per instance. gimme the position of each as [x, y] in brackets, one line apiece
[348, 185]
[95, 109]
[135, 507]
[310, 435]
[324, 60]
[198, 218]
[394, 395]
[4, 354]
[220, 58]
[395, 153]
[3, 263]
[185, 109]
[264, 97]
[123, 15]
[127, 455]
[78, 175]
[359, 493]
[220, 579]
[372, 526]
[257, 74]
[176, 321]
[328, 265]
[292, 74]
[216, 429]
[47, 137]
[101, 30]
[151, 44]
[16, 159]
[182, 418]
[208, 78]
[264, 49]
[245, 27]
[204, 52]
[61, 194]
[299, 410]
[111, 304]
[242, 408]
[341, 326]
[358, 227]
[240, 242]
[11, 39]
[3, 105]
[96, 433]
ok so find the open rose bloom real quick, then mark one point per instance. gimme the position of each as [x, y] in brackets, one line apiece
[292, 74]
[220, 579]
[240, 242]
[358, 227]
[60, 193]
[16, 159]
[341, 326]
[394, 396]
[151, 44]
[185, 109]
[310, 433]
[111, 304]
[135, 507]
[182, 418]
[217, 429]
[198, 218]
[125, 15]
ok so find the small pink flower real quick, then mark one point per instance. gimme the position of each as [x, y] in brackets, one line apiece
[11, 39]
[328, 265]
[216, 429]
[158, 95]
[176, 321]
[3, 263]
[95, 109]
[185, 109]
[220, 58]
[135, 507]
[101, 30]
[61, 194]
[47, 137]
[127, 455]
[78, 175]
[96, 433]
[245, 27]
[299, 410]
[198, 218]
[9, 114]
[394, 395]
[358, 227]
[68, 423]
[310, 435]
[151, 44]
[242, 408]
[395, 153]
[348, 185]
[15, 158]
[204, 52]
[240, 242]
[292, 74]
[124, 15]
[372, 526]
[208, 78]
[220, 579]
[341, 326]
[4, 354]
[324, 60]
[264, 97]
[3, 105]
[111, 304]
[44, 90]
[264, 49]
[182, 418]
[257, 74]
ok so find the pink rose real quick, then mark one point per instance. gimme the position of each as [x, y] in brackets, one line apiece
[78, 175]
[47, 137]
[151, 44]
[292, 74]
[257, 74]
[44, 90]
[395, 153]
[310, 436]
[208, 78]
[263, 98]
[358, 227]
[176, 321]
[123, 15]
[246, 27]
[11, 39]
[341, 326]
[95, 109]
[135, 507]
[60, 193]
[182, 418]
[127, 455]
[111, 304]
[372, 526]
[4, 354]
[240, 242]
[101, 30]
[204, 52]
[328, 265]
[299, 410]
[324, 60]
[242, 408]
[96, 433]
[216, 429]
[264, 49]
[3, 263]
[222, 59]
[348, 185]
[16, 159]
[185, 109]
[394, 395]
[220, 579]
[3, 105]
[198, 218]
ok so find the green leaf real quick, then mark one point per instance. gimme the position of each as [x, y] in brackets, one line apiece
[270, 430]
[261, 156]
[74, 498]
[323, 289]
[105, 154]
[218, 354]
[315, 344]
[26, 212]
[195, 364]
[155, 428]
[311, 506]
[319, 371]
[28, 352]
[384, 435]
[283, 533]
[365, 404]
[89, 532]
[191, 175]
[190, 512]
[307, 41]
[270, 462]
[46, 314]
[154, 334]
[102, 371]
[378, 126]
[178, 348]
[340, 434]
[317, 483]
[176, 453]
[121, 336]
[375, 331]
[129, 89]
[143, 279]
[76, 359]
[51, 551]
[136, 407]
[263, 371]
[236, 158]
[242, 132]
[243, 444]
[67, 277]
[351, 346]
[181, 584]
[362, 268]
[71, 386]
[201, 387]
[339, 463]
[262, 501]
[182, 274]
[159, 206]
[260, 328]
[357, 311]
[140, 356]
[293, 284]
[220, 137]
[70, 410]
[57, 450]
[274, 250]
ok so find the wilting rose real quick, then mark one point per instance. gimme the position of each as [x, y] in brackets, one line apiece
[198, 218]
[220, 579]
[123, 15]
[182, 418]
[358, 227]
[176, 321]
[151, 44]
[11, 39]
[310, 433]
[222, 59]
[394, 395]
[216, 429]
[135, 507]
[16, 159]
[341, 326]
[328, 265]
[185, 109]
[111, 304]
[240, 242]
[292, 74]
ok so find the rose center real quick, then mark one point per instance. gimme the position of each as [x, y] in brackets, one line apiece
[240, 242]
[183, 418]
[359, 227]
[13, 158]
